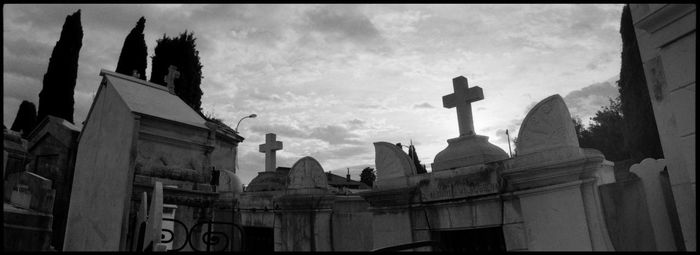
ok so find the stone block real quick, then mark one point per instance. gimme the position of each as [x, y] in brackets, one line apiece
[682, 103]
[391, 228]
[488, 213]
[514, 235]
[512, 211]
[685, 196]
[679, 62]
[687, 145]
[555, 219]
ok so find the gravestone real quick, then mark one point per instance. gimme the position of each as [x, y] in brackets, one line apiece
[269, 148]
[547, 126]
[649, 171]
[155, 218]
[393, 166]
[469, 148]
[140, 224]
[307, 174]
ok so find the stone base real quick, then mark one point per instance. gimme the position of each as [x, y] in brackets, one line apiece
[467, 150]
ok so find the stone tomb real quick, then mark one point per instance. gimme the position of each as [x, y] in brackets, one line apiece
[53, 144]
[137, 134]
[544, 199]
[296, 210]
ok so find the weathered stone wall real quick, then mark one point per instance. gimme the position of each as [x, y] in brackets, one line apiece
[102, 164]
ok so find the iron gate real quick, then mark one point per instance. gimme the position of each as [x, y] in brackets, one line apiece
[213, 240]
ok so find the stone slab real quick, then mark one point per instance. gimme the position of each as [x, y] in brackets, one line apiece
[547, 126]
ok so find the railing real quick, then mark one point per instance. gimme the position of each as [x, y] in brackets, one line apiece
[214, 240]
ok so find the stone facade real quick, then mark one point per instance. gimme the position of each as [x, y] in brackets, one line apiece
[666, 38]
[138, 134]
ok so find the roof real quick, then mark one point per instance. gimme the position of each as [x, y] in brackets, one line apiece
[66, 133]
[267, 181]
[336, 180]
[140, 96]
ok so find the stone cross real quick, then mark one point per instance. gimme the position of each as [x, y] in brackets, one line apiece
[269, 148]
[170, 78]
[462, 99]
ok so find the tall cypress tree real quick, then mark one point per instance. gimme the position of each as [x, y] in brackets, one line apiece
[134, 53]
[25, 119]
[56, 96]
[641, 134]
[181, 52]
[416, 162]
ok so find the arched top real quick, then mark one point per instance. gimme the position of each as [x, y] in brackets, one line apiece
[391, 161]
[307, 173]
[229, 183]
[548, 125]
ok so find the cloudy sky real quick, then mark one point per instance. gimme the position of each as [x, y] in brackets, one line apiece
[330, 80]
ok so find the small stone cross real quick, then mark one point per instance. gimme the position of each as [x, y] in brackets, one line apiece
[462, 99]
[269, 148]
[170, 78]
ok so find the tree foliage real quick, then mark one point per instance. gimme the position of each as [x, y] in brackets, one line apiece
[367, 176]
[182, 53]
[605, 132]
[134, 53]
[640, 132]
[56, 96]
[25, 119]
[420, 169]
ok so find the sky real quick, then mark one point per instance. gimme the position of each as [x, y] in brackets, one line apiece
[330, 80]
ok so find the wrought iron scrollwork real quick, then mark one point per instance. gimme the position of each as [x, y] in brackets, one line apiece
[213, 240]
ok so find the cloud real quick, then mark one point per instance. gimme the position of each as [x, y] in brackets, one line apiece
[344, 22]
[423, 105]
[583, 103]
[332, 134]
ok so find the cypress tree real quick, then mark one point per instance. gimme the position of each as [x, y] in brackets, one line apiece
[25, 119]
[56, 96]
[416, 162]
[640, 133]
[182, 53]
[134, 53]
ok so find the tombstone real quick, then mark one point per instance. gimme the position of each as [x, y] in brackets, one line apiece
[140, 224]
[53, 144]
[27, 211]
[393, 166]
[269, 148]
[306, 174]
[547, 126]
[556, 183]
[154, 227]
[303, 213]
[469, 148]
[649, 171]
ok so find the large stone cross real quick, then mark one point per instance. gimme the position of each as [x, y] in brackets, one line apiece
[269, 148]
[170, 78]
[462, 99]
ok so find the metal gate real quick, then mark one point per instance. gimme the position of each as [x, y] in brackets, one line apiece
[213, 240]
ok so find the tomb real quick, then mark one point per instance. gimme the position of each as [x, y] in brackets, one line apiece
[53, 144]
[138, 134]
[544, 199]
[295, 209]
